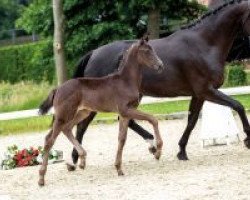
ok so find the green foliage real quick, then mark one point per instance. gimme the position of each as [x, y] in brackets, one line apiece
[90, 24]
[27, 62]
[22, 96]
[9, 11]
[38, 17]
[236, 75]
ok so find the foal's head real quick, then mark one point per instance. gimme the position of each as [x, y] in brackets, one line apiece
[146, 55]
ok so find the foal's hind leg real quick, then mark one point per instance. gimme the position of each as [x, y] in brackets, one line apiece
[81, 152]
[80, 132]
[49, 142]
[81, 115]
[123, 128]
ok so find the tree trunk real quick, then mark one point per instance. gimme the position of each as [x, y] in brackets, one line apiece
[154, 23]
[58, 45]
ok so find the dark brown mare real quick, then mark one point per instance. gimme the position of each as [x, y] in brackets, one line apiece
[195, 57]
[119, 92]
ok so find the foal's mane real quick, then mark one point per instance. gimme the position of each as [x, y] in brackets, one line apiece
[124, 57]
[211, 13]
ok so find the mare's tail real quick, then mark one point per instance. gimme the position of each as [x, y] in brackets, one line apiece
[79, 72]
[47, 104]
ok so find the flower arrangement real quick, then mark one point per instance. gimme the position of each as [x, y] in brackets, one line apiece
[14, 157]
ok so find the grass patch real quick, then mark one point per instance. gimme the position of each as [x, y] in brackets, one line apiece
[248, 77]
[42, 123]
[22, 96]
[33, 124]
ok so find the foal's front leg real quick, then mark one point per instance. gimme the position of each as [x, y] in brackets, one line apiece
[135, 114]
[123, 128]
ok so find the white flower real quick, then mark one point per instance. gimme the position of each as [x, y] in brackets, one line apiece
[39, 158]
[54, 153]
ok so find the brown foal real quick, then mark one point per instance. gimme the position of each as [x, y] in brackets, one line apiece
[118, 92]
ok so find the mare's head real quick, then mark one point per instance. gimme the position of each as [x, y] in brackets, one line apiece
[146, 55]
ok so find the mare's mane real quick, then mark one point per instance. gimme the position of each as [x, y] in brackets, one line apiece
[211, 13]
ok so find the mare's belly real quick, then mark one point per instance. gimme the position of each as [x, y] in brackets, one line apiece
[166, 84]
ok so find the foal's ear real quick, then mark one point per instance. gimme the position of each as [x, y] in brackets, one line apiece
[142, 41]
[146, 37]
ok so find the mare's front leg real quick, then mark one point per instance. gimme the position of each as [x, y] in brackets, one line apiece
[123, 128]
[218, 97]
[135, 114]
[194, 110]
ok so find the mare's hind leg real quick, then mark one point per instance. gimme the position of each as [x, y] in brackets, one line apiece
[218, 97]
[135, 114]
[123, 128]
[81, 115]
[49, 142]
[194, 109]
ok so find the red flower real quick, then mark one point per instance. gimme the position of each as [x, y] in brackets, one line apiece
[24, 152]
[35, 152]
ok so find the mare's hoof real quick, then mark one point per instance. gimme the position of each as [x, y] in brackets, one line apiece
[182, 156]
[70, 167]
[157, 154]
[247, 143]
[41, 182]
[120, 173]
[152, 149]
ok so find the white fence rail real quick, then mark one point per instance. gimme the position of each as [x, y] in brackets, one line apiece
[145, 100]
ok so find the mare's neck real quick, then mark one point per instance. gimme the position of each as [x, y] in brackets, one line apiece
[221, 29]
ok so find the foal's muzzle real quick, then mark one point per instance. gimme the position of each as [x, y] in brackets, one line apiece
[160, 66]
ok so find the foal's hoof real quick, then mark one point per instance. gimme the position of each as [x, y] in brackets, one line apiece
[120, 173]
[82, 166]
[71, 167]
[247, 142]
[41, 182]
[157, 154]
[182, 156]
[152, 149]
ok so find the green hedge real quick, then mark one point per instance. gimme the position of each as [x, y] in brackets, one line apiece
[27, 62]
[236, 75]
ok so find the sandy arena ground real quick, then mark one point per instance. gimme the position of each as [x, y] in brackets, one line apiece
[214, 173]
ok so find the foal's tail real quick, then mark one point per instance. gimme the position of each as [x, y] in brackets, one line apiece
[47, 104]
